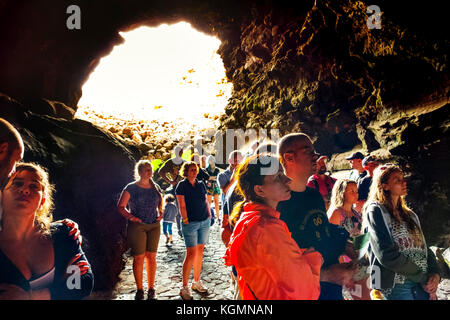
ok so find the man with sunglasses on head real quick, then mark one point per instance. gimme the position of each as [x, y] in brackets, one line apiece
[305, 215]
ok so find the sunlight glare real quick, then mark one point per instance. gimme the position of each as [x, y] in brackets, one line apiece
[164, 73]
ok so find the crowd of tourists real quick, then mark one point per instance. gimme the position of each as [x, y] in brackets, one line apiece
[290, 230]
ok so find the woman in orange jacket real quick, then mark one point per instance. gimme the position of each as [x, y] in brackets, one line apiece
[269, 263]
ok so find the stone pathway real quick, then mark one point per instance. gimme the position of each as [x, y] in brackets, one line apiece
[214, 274]
[170, 259]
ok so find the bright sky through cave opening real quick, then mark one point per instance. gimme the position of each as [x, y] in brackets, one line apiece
[159, 73]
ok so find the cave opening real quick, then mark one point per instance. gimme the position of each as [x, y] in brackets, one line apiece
[160, 86]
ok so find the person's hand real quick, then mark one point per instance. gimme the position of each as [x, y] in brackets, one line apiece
[82, 265]
[74, 229]
[433, 296]
[341, 274]
[159, 218]
[135, 219]
[12, 292]
[351, 253]
[432, 283]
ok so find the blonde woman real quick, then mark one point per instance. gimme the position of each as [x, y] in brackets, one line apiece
[341, 213]
[37, 257]
[141, 203]
[402, 267]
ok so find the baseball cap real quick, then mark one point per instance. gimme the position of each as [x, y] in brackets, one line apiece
[355, 155]
[368, 159]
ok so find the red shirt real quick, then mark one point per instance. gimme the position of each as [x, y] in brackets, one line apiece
[269, 263]
[325, 185]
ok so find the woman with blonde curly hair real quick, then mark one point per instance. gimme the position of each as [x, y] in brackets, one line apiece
[402, 267]
[37, 257]
[342, 213]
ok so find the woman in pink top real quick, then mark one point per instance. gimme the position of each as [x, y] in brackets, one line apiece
[269, 263]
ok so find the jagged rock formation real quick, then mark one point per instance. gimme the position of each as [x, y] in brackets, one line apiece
[315, 67]
[89, 168]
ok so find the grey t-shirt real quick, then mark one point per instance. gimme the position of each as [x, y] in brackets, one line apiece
[143, 202]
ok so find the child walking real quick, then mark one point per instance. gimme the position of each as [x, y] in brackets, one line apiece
[170, 213]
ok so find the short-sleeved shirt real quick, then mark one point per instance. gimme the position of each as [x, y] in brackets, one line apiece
[232, 197]
[170, 212]
[202, 175]
[224, 177]
[195, 199]
[364, 187]
[324, 186]
[143, 203]
[356, 176]
[306, 218]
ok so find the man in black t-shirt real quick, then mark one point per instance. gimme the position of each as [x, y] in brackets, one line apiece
[306, 218]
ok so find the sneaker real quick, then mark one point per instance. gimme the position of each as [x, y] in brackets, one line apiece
[139, 295]
[185, 293]
[199, 287]
[151, 294]
[171, 241]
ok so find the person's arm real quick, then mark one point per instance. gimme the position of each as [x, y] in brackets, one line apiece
[121, 207]
[335, 218]
[386, 251]
[223, 183]
[182, 207]
[164, 170]
[434, 274]
[208, 208]
[295, 271]
[74, 278]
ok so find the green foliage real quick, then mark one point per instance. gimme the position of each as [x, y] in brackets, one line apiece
[156, 164]
[187, 155]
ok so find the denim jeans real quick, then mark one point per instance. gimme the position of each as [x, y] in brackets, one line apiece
[196, 232]
[167, 227]
[408, 291]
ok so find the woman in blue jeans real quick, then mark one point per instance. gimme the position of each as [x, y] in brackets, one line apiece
[402, 266]
[195, 212]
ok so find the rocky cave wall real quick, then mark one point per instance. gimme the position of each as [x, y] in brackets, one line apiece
[315, 68]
